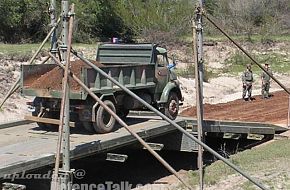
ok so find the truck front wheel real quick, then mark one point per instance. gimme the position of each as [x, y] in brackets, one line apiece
[104, 121]
[171, 108]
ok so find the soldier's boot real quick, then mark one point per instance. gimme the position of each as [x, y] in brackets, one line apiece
[264, 92]
[267, 94]
[244, 95]
[250, 96]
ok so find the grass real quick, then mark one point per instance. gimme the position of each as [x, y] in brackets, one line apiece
[189, 72]
[23, 52]
[18, 52]
[237, 62]
[254, 38]
[269, 162]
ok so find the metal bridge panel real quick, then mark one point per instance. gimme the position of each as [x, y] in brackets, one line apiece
[26, 147]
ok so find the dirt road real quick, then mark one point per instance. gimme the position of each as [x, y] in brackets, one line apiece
[273, 110]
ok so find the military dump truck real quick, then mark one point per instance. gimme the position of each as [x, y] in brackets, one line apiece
[143, 68]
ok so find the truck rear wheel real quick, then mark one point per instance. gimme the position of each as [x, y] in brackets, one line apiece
[171, 108]
[104, 121]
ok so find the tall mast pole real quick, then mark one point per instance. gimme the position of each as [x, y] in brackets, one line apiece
[63, 177]
[198, 54]
[53, 37]
[65, 58]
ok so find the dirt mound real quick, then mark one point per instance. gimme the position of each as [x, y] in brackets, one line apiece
[270, 110]
[53, 78]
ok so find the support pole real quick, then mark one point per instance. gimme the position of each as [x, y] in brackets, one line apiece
[53, 37]
[198, 55]
[64, 130]
[16, 84]
[121, 122]
[169, 121]
[66, 58]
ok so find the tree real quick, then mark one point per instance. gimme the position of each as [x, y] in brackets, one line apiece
[97, 20]
[156, 19]
[264, 17]
[22, 20]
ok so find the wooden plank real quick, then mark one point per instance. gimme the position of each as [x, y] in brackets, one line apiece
[46, 120]
[14, 123]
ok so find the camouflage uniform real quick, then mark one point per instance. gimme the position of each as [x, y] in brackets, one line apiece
[247, 79]
[266, 83]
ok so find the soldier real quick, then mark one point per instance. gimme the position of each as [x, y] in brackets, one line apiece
[247, 79]
[266, 81]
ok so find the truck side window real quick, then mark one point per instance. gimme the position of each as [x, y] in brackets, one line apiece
[161, 61]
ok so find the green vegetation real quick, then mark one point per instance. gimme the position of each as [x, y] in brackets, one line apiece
[26, 21]
[268, 162]
[250, 17]
[155, 20]
[21, 21]
[23, 52]
[189, 72]
[278, 62]
[19, 52]
[254, 38]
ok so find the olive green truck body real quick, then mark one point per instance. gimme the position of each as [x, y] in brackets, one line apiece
[142, 68]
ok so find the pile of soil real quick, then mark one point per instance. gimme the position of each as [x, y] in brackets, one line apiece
[53, 78]
[272, 110]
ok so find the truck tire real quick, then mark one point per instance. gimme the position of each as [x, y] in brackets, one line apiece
[104, 121]
[171, 108]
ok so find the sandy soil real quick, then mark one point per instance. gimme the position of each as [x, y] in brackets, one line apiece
[15, 107]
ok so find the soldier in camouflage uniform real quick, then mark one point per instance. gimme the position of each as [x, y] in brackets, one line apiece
[247, 79]
[266, 81]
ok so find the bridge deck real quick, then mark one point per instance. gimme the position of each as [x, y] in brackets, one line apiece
[27, 147]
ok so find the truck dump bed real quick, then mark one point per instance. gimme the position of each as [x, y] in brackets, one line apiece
[131, 65]
[46, 80]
